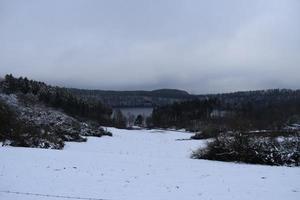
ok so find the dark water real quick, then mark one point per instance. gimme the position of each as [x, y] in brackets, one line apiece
[136, 111]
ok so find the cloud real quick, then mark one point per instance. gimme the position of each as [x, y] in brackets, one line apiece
[200, 46]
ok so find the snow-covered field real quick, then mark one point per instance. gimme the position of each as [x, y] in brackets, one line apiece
[136, 165]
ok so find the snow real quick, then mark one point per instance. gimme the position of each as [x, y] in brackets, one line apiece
[139, 164]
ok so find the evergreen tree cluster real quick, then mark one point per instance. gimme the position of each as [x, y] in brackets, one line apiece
[7, 120]
[182, 114]
[58, 98]
[259, 115]
[118, 119]
[241, 111]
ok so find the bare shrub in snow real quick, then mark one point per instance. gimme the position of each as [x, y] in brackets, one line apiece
[252, 149]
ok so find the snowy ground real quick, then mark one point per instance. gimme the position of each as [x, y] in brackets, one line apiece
[135, 165]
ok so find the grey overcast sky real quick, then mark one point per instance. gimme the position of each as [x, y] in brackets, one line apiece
[202, 46]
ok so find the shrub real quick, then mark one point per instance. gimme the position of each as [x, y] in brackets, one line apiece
[29, 135]
[208, 132]
[105, 132]
[252, 149]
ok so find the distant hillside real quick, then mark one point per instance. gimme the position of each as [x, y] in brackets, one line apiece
[237, 99]
[134, 98]
[169, 96]
[252, 110]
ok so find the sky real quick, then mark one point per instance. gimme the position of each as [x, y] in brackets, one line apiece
[201, 46]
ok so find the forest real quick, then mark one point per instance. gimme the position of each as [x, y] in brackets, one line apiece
[251, 110]
[254, 110]
[58, 97]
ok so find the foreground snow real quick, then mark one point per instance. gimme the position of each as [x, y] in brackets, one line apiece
[136, 165]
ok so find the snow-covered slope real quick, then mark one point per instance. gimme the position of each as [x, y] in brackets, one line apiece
[43, 126]
[135, 165]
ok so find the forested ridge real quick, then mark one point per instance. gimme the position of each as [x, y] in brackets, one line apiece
[34, 114]
[265, 109]
[58, 97]
[134, 98]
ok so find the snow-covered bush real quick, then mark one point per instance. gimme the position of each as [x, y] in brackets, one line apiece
[253, 149]
[26, 123]
[29, 135]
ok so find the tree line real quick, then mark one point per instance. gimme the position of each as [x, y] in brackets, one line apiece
[271, 110]
[58, 97]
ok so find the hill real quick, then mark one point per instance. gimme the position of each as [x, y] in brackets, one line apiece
[134, 98]
[34, 114]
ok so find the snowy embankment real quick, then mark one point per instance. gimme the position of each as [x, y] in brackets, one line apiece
[138, 164]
